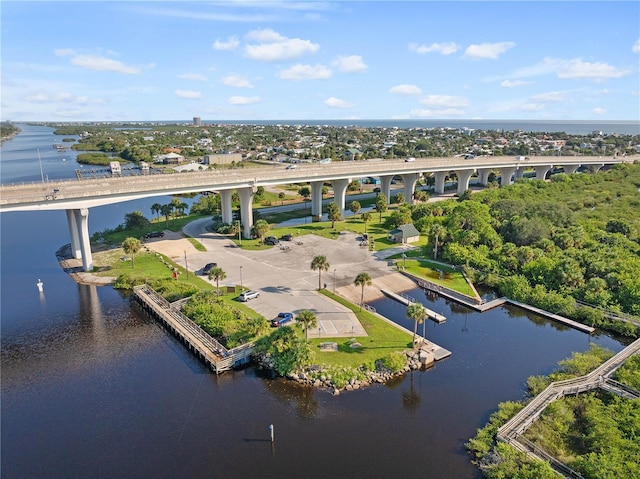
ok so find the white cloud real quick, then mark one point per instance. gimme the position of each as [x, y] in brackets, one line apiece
[93, 62]
[334, 102]
[444, 101]
[599, 111]
[273, 47]
[64, 52]
[442, 48]
[231, 44]
[531, 107]
[193, 76]
[405, 90]
[236, 81]
[636, 47]
[514, 83]
[428, 113]
[488, 50]
[189, 94]
[576, 68]
[306, 72]
[550, 97]
[350, 64]
[243, 100]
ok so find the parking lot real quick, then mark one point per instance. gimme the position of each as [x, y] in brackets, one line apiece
[284, 278]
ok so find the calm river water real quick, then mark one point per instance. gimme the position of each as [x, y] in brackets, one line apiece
[90, 389]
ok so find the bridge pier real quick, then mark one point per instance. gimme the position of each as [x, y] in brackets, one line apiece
[440, 177]
[463, 180]
[316, 200]
[385, 186]
[246, 210]
[569, 169]
[506, 175]
[340, 191]
[226, 206]
[409, 180]
[541, 171]
[78, 221]
[519, 173]
[595, 168]
[483, 176]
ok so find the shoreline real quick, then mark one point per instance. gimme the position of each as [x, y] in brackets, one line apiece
[73, 267]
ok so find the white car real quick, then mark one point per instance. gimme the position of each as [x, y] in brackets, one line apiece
[291, 167]
[247, 295]
[410, 160]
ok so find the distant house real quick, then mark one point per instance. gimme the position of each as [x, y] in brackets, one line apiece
[173, 159]
[115, 167]
[350, 154]
[404, 234]
[222, 158]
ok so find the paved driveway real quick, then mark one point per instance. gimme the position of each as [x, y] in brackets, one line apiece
[284, 277]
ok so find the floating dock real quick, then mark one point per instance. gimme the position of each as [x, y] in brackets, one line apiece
[433, 316]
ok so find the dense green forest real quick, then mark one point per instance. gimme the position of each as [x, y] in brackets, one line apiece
[594, 433]
[547, 243]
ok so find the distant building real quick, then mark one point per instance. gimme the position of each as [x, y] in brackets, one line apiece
[144, 167]
[197, 121]
[404, 234]
[170, 159]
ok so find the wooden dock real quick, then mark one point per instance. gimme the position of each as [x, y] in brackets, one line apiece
[406, 300]
[214, 354]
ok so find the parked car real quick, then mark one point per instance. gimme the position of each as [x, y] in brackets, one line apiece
[247, 295]
[154, 234]
[271, 240]
[287, 238]
[291, 167]
[208, 267]
[410, 160]
[281, 320]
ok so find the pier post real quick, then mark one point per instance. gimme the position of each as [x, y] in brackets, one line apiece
[463, 180]
[541, 171]
[440, 177]
[409, 180]
[339, 192]
[316, 200]
[385, 186]
[246, 210]
[78, 220]
[506, 175]
[226, 206]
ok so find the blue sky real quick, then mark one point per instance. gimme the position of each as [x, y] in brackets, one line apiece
[288, 60]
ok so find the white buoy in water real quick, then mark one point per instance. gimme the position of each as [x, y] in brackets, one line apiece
[40, 284]
[271, 432]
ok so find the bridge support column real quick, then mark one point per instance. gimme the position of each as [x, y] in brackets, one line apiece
[483, 176]
[339, 192]
[541, 171]
[316, 200]
[463, 180]
[569, 169]
[506, 175]
[385, 187]
[519, 172]
[246, 210]
[78, 220]
[440, 177]
[409, 180]
[595, 168]
[226, 206]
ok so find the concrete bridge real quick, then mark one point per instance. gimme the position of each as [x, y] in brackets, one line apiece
[78, 195]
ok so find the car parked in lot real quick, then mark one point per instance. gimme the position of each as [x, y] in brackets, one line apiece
[291, 167]
[154, 234]
[282, 319]
[287, 238]
[247, 295]
[271, 240]
[208, 267]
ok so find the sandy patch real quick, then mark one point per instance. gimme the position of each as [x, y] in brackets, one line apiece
[173, 245]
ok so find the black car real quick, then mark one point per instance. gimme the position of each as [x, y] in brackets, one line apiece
[271, 240]
[287, 238]
[208, 267]
[154, 234]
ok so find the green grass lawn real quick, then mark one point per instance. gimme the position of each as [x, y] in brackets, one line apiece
[382, 339]
[430, 270]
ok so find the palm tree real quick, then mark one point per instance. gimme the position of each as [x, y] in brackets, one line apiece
[437, 231]
[416, 312]
[363, 279]
[155, 209]
[260, 228]
[355, 207]
[166, 211]
[217, 274]
[131, 246]
[282, 196]
[366, 217]
[333, 212]
[306, 320]
[381, 204]
[321, 264]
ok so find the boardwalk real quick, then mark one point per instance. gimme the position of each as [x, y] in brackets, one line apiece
[512, 431]
[214, 354]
